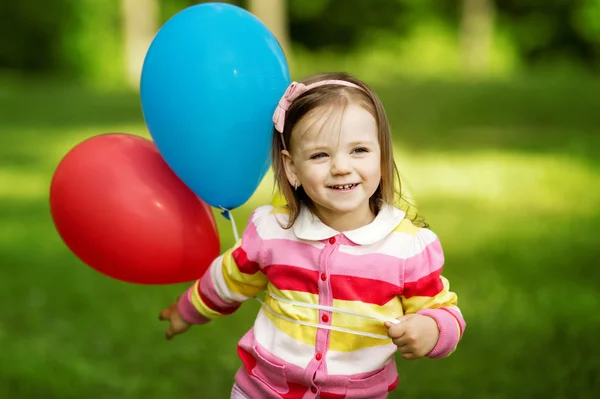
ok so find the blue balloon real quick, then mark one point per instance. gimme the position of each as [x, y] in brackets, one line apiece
[211, 80]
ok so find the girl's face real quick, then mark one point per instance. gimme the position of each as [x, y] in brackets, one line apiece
[339, 167]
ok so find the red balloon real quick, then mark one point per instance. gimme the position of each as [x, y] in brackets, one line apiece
[118, 206]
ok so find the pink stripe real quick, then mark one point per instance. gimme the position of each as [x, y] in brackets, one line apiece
[459, 318]
[187, 310]
[252, 242]
[449, 337]
[211, 298]
[305, 256]
[429, 260]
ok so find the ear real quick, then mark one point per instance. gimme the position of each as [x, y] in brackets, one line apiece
[290, 168]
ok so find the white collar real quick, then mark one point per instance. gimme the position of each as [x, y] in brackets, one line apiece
[309, 227]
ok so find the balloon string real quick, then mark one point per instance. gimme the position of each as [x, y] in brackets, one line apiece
[234, 227]
[228, 215]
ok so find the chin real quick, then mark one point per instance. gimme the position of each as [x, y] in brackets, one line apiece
[349, 208]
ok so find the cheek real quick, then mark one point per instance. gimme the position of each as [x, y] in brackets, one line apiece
[313, 175]
[373, 170]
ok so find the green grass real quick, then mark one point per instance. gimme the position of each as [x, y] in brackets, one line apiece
[506, 173]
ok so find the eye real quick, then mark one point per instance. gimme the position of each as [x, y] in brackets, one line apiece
[360, 150]
[319, 155]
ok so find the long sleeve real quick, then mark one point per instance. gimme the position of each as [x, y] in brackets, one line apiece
[231, 279]
[427, 292]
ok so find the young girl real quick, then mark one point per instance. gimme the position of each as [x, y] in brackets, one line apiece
[349, 279]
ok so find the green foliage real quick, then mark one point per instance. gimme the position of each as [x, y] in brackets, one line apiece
[93, 47]
[31, 34]
[430, 50]
[83, 39]
[586, 19]
[505, 172]
[553, 32]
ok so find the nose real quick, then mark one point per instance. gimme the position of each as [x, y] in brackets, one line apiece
[340, 165]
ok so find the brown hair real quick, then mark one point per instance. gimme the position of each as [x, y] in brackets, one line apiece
[389, 189]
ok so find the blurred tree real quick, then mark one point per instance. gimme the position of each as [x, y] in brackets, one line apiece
[273, 13]
[84, 38]
[554, 32]
[476, 32]
[342, 24]
[92, 43]
[31, 34]
[140, 24]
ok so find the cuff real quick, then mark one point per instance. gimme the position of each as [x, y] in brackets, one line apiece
[449, 332]
[188, 311]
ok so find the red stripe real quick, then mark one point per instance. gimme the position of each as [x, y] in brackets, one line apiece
[366, 290]
[327, 395]
[211, 305]
[346, 288]
[245, 265]
[292, 278]
[430, 285]
[296, 391]
[393, 385]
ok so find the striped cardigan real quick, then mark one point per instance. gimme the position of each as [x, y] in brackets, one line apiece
[383, 270]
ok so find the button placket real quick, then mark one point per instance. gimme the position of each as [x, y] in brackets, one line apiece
[324, 299]
[325, 316]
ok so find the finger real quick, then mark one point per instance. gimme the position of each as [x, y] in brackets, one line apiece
[402, 341]
[405, 349]
[396, 331]
[409, 356]
[164, 314]
[170, 333]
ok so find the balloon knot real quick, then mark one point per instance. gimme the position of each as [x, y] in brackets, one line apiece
[225, 214]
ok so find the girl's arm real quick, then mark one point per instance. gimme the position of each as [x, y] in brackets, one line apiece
[427, 292]
[231, 279]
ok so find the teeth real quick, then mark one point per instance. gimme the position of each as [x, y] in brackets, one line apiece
[344, 187]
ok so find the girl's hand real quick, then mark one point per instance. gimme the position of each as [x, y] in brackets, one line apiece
[415, 336]
[178, 325]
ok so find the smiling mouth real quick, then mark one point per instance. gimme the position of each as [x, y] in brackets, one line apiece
[343, 187]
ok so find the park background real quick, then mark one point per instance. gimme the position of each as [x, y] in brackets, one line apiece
[495, 111]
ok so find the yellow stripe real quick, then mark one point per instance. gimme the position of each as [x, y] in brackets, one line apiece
[407, 227]
[201, 306]
[305, 334]
[344, 342]
[241, 283]
[444, 298]
[392, 309]
[339, 341]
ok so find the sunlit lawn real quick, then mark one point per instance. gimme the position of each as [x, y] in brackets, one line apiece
[507, 175]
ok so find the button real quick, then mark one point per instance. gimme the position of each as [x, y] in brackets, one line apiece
[332, 240]
[325, 318]
[323, 276]
[313, 389]
[318, 356]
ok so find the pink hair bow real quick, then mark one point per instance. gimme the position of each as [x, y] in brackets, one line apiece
[293, 91]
